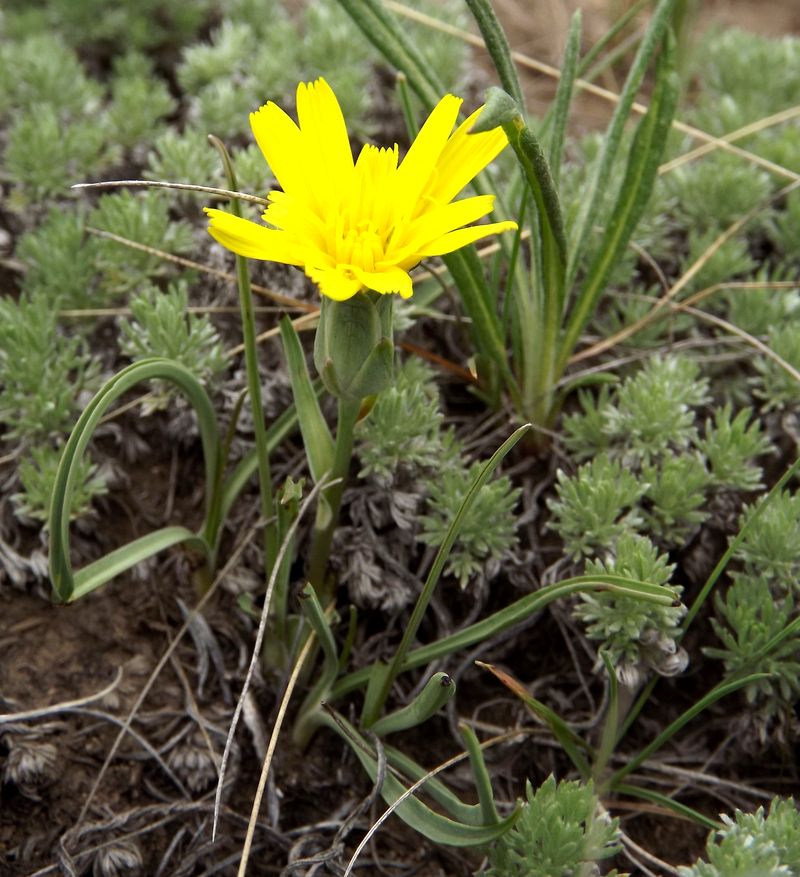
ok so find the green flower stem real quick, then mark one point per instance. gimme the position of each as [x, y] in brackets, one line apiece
[342, 455]
[253, 379]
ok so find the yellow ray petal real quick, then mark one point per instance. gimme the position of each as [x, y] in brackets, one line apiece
[390, 280]
[463, 158]
[423, 154]
[454, 240]
[329, 167]
[333, 283]
[280, 140]
[432, 225]
[251, 239]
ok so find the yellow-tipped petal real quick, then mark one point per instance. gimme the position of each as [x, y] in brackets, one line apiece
[334, 283]
[454, 240]
[432, 225]
[280, 140]
[386, 281]
[423, 154]
[463, 158]
[251, 239]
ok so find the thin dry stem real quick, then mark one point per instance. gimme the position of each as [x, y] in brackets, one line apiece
[262, 626]
[273, 742]
[683, 280]
[589, 87]
[739, 134]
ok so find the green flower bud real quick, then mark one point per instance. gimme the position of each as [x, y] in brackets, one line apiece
[354, 347]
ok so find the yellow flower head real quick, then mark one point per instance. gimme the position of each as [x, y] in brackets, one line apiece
[361, 225]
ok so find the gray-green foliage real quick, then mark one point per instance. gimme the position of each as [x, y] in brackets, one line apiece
[650, 425]
[730, 444]
[725, 65]
[652, 474]
[404, 428]
[561, 830]
[60, 261]
[42, 371]
[139, 102]
[749, 617]
[753, 844]
[97, 24]
[162, 326]
[404, 442]
[40, 69]
[46, 154]
[186, 158]
[784, 228]
[761, 604]
[772, 383]
[652, 412]
[230, 76]
[713, 192]
[596, 506]
[489, 528]
[758, 310]
[729, 261]
[38, 473]
[633, 631]
[143, 218]
[769, 548]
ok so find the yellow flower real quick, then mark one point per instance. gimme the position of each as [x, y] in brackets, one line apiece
[364, 224]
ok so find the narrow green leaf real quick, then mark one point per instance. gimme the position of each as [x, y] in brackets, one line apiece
[437, 828]
[641, 172]
[563, 101]
[317, 438]
[590, 203]
[386, 34]
[670, 804]
[483, 782]
[434, 788]
[570, 742]
[669, 732]
[496, 43]
[466, 269]
[316, 617]
[244, 470]
[97, 573]
[437, 567]
[437, 691]
[156, 368]
[503, 619]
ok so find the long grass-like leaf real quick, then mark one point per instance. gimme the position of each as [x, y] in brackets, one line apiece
[669, 732]
[421, 606]
[440, 829]
[676, 807]
[637, 186]
[591, 201]
[502, 620]
[385, 33]
[437, 691]
[497, 46]
[570, 742]
[317, 438]
[483, 781]
[67, 584]
[563, 101]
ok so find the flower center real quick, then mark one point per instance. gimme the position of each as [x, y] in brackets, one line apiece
[361, 246]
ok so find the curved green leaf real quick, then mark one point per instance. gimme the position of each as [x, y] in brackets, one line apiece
[437, 691]
[317, 437]
[412, 811]
[69, 585]
[503, 619]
